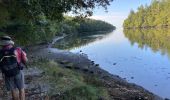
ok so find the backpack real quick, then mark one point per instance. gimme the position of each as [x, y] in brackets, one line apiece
[8, 62]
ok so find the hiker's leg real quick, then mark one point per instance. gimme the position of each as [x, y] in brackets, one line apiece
[22, 94]
[15, 95]
[10, 85]
[19, 81]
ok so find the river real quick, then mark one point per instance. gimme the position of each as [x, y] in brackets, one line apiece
[139, 57]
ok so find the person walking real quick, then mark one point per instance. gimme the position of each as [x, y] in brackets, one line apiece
[12, 60]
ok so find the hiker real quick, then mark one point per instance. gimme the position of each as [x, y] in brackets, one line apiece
[12, 60]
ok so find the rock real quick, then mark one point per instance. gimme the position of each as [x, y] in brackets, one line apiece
[97, 65]
[64, 62]
[91, 72]
[69, 67]
[49, 52]
[85, 70]
[99, 72]
[92, 62]
[77, 68]
[28, 80]
[132, 77]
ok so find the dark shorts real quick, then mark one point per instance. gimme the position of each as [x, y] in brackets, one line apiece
[15, 82]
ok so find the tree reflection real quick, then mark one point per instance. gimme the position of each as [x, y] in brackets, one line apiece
[76, 41]
[157, 39]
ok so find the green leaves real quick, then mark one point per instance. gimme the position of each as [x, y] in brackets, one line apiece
[155, 15]
[39, 19]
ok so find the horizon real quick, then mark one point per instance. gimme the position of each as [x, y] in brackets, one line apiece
[118, 11]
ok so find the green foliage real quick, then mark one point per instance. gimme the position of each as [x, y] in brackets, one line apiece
[52, 9]
[34, 21]
[85, 93]
[84, 25]
[89, 25]
[155, 15]
[71, 84]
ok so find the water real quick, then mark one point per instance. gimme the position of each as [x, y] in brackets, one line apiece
[141, 59]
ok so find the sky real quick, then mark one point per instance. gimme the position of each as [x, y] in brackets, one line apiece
[118, 11]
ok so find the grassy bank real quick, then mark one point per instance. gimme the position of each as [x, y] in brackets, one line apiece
[67, 84]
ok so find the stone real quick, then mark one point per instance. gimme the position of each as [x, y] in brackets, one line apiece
[97, 65]
[77, 68]
[85, 70]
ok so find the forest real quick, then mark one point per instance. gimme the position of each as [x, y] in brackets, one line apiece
[156, 15]
[31, 22]
[84, 26]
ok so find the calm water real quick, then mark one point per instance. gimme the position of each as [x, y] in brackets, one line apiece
[142, 57]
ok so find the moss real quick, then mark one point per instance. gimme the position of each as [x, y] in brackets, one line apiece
[85, 92]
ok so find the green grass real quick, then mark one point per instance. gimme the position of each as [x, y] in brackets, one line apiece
[71, 84]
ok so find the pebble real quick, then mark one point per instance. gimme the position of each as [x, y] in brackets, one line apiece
[97, 65]
[132, 77]
[114, 63]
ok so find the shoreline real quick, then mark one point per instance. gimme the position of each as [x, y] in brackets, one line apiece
[117, 86]
[146, 27]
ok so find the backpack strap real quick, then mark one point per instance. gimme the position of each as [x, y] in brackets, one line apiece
[3, 55]
[6, 57]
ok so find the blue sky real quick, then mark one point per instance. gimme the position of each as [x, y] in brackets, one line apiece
[118, 11]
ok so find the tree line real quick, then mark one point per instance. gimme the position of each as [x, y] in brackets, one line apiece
[84, 26]
[153, 16]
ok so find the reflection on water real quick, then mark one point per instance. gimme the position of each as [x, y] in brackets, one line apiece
[135, 56]
[156, 39]
[75, 41]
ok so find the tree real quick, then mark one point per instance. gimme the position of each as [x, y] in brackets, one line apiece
[52, 9]
[41, 18]
[155, 15]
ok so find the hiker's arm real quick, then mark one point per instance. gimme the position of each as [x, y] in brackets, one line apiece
[24, 57]
[21, 56]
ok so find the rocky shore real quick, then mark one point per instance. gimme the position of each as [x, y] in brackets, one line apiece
[38, 89]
